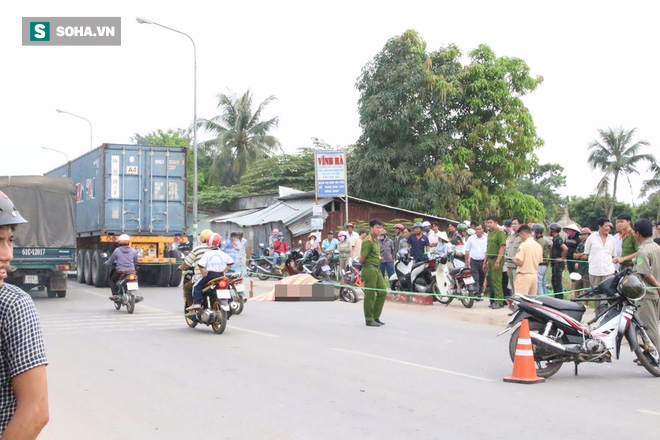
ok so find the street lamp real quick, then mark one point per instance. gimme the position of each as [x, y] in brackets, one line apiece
[90, 124]
[142, 20]
[57, 151]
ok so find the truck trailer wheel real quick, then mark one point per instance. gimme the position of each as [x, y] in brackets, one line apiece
[175, 279]
[99, 270]
[51, 293]
[88, 266]
[60, 293]
[80, 274]
[163, 274]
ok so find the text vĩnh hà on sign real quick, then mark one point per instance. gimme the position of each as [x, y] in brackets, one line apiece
[330, 167]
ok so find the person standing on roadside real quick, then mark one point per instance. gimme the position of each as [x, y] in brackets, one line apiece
[475, 256]
[572, 241]
[344, 247]
[528, 258]
[400, 241]
[493, 265]
[537, 230]
[600, 249]
[647, 264]
[512, 246]
[418, 243]
[375, 287]
[386, 255]
[629, 244]
[23, 382]
[581, 267]
[434, 234]
[558, 252]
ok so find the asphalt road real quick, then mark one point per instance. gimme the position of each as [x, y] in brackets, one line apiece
[315, 371]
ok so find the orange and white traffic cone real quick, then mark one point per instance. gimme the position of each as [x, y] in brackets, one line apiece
[524, 370]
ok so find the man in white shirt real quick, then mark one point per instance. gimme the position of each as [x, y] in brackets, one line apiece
[601, 250]
[213, 264]
[434, 234]
[475, 254]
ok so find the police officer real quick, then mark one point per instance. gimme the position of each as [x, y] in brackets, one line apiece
[374, 300]
[558, 254]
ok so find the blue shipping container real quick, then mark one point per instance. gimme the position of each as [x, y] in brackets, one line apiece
[133, 189]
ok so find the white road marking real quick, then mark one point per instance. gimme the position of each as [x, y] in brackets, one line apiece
[252, 331]
[412, 364]
[646, 411]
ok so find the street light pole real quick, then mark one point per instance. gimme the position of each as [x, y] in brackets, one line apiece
[85, 119]
[147, 21]
[57, 151]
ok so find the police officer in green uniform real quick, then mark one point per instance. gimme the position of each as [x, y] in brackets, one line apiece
[647, 264]
[374, 300]
[629, 245]
[495, 246]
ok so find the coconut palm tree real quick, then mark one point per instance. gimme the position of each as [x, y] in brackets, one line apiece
[615, 156]
[654, 182]
[240, 137]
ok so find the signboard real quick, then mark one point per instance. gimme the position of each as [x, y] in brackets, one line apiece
[317, 211]
[330, 171]
[317, 223]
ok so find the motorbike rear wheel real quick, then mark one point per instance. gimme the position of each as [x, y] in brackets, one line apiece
[642, 352]
[437, 294]
[350, 294]
[130, 304]
[542, 358]
[237, 303]
[219, 326]
[467, 302]
[191, 323]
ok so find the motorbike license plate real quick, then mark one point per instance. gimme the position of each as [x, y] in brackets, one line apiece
[325, 268]
[469, 280]
[31, 279]
[224, 294]
[240, 288]
[132, 285]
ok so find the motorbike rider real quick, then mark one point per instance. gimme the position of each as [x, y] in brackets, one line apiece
[272, 239]
[191, 261]
[458, 241]
[213, 264]
[280, 248]
[125, 258]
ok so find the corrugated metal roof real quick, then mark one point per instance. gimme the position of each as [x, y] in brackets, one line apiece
[285, 211]
[234, 214]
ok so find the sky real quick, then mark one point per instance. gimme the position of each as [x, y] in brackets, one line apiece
[598, 60]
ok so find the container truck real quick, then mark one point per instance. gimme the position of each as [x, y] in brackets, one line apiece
[44, 248]
[139, 190]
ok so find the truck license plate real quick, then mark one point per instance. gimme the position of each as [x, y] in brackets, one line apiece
[132, 285]
[469, 280]
[224, 294]
[31, 279]
[240, 288]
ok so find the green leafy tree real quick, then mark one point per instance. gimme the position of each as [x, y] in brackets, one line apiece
[616, 155]
[652, 183]
[240, 137]
[442, 136]
[291, 170]
[542, 183]
[650, 209]
[586, 210]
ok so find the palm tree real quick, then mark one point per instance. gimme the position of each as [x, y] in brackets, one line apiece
[240, 137]
[614, 156]
[654, 182]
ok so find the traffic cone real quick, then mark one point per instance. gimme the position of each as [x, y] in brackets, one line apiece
[524, 370]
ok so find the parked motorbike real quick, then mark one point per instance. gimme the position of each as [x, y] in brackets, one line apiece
[558, 336]
[127, 288]
[293, 263]
[353, 278]
[216, 308]
[317, 265]
[455, 281]
[263, 266]
[417, 276]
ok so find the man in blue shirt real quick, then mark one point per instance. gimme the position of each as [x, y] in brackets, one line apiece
[418, 242]
[329, 244]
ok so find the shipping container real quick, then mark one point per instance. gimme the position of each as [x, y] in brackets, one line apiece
[139, 190]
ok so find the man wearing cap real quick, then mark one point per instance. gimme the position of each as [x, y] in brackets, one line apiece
[374, 300]
[647, 264]
[528, 258]
[629, 245]
[418, 242]
[351, 235]
[23, 384]
[583, 266]
[475, 254]
[512, 246]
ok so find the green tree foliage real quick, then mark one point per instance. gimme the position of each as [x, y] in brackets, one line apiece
[586, 210]
[650, 209]
[616, 155]
[652, 183]
[442, 136]
[542, 183]
[240, 137]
